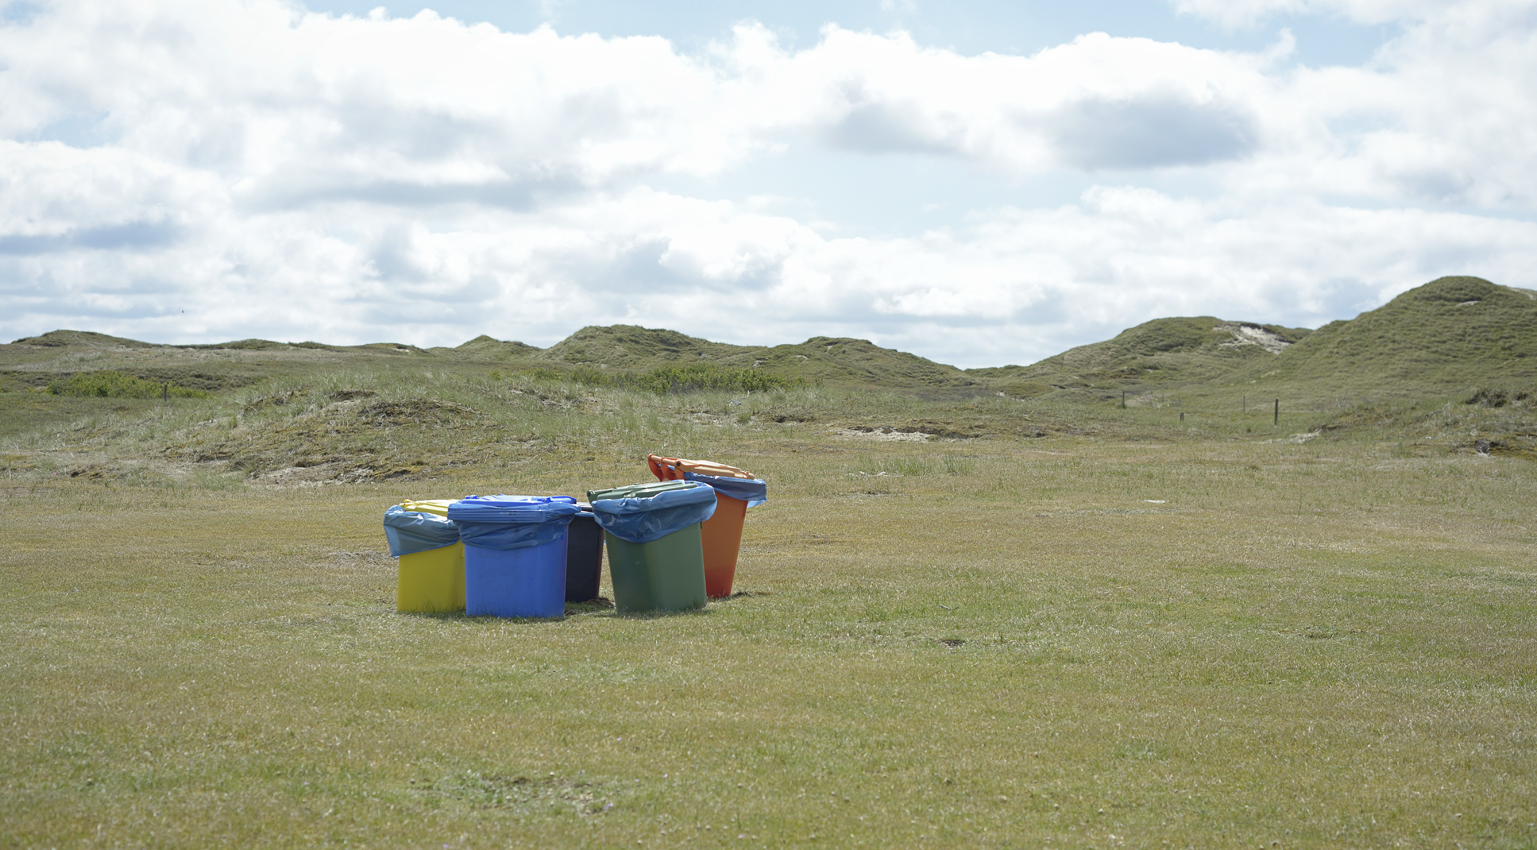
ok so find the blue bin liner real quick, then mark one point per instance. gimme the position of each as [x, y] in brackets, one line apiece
[505, 523]
[753, 491]
[409, 532]
[646, 518]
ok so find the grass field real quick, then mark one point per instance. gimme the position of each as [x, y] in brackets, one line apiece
[1067, 630]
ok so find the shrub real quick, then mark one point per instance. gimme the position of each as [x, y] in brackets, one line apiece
[113, 384]
[696, 377]
[704, 376]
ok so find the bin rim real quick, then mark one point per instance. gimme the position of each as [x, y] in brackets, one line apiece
[668, 508]
[512, 509]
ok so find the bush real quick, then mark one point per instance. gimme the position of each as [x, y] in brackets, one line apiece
[113, 384]
[703, 376]
[673, 379]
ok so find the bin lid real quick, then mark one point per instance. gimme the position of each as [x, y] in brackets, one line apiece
[638, 491]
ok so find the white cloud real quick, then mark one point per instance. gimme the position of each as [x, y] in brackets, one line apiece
[276, 173]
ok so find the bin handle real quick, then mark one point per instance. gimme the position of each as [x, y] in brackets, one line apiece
[664, 468]
[675, 468]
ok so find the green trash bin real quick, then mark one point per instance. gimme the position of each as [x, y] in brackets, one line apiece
[655, 552]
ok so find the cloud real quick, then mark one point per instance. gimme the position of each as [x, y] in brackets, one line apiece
[870, 93]
[300, 107]
[58, 198]
[1149, 132]
[1013, 285]
[134, 235]
[277, 173]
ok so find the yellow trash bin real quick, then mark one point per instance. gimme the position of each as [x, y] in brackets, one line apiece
[431, 581]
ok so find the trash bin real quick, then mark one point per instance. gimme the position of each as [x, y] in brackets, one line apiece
[431, 574]
[736, 490]
[655, 557]
[514, 554]
[584, 556]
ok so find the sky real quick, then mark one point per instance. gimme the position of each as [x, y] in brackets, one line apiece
[980, 183]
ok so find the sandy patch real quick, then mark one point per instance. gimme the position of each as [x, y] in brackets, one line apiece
[883, 435]
[1295, 438]
[313, 476]
[1246, 334]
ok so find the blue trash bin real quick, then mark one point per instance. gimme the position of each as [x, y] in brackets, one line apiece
[514, 554]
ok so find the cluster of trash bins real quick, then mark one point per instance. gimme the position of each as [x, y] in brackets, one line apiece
[671, 545]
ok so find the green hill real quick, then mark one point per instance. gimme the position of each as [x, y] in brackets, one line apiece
[80, 339]
[1155, 357]
[822, 360]
[635, 349]
[487, 348]
[842, 361]
[1451, 337]
[1455, 335]
[613, 351]
[1405, 368]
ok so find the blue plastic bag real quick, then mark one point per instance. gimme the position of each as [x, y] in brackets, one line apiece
[504, 523]
[409, 532]
[753, 491]
[648, 518]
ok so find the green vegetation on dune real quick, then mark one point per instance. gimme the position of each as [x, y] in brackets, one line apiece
[1429, 348]
[1490, 421]
[1155, 357]
[493, 349]
[858, 362]
[1450, 337]
[113, 384]
[632, 348]
[84, 339]
[1446, 338]
[694, 377]
[820, 360]
[372, 425]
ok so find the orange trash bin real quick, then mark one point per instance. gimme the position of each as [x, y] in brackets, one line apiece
[736, 490]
